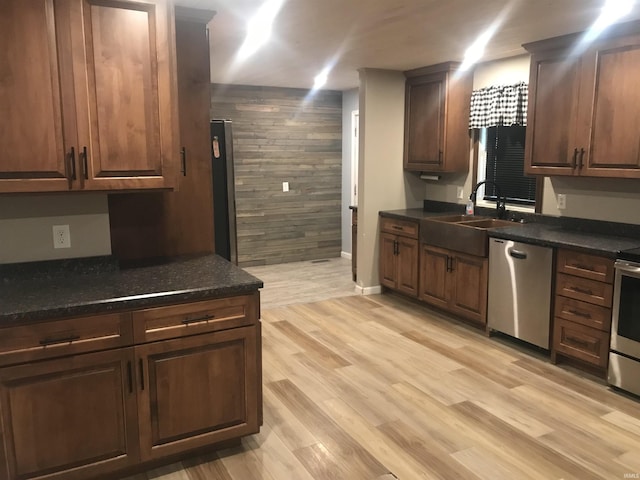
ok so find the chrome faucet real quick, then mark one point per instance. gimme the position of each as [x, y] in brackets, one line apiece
[500, 200]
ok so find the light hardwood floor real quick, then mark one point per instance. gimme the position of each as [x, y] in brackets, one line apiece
[381, 387]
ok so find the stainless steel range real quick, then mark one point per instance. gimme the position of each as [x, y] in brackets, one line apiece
[624, 355]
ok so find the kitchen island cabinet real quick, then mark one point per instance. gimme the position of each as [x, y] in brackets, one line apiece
[91, 94]
[584, 106]
[172, 370]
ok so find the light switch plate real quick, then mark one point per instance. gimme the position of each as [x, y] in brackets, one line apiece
[285, 186]
[460, 193]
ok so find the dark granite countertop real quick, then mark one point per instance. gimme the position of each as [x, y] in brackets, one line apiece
[555, 236]
[414, 214]
[545, 231]
[27, 298]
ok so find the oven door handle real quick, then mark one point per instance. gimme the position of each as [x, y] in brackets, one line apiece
[628, 267]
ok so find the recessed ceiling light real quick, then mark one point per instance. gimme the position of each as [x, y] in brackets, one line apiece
[259, 28]
[320, 80]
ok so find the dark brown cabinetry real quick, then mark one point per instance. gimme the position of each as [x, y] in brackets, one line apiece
[436, 119]
[455, 282]
[399, 255]
[583, 107]
[166, 381]
[582, 320]
[179, 222]
[90, 91]
[69, 418]
[354, 243]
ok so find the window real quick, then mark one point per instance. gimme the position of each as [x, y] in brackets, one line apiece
[498, 118]
[504, 164]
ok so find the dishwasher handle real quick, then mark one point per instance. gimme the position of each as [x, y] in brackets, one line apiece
[520, 255]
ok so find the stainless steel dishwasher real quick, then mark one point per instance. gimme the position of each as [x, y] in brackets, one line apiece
[520, 290]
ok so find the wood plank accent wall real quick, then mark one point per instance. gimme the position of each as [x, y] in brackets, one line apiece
[281, 135]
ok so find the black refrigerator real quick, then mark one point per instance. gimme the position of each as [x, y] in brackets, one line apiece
[224, 192]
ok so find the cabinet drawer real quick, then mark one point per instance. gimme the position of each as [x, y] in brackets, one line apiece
[399, 227]
[64, 337]
[194, 318]
[579, 341]
[585, 265]
[582, 312]
[584, 289]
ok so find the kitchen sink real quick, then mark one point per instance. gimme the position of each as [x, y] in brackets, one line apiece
[457, 218]
[462, 233]
[488, 223]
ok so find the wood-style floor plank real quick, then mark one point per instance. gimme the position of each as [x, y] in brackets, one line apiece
[384, 388]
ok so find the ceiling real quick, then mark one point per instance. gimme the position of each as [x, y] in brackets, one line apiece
[387, 34]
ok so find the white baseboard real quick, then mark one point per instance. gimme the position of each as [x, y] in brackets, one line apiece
[368, 290]
[346, 255]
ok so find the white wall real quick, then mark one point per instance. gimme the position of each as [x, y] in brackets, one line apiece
[25, 226]
[383, 183]
[350, 99]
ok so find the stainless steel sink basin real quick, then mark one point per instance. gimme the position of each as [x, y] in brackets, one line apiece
[462, 233]
[488, 223]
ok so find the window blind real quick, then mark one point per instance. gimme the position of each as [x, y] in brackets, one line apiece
[505, 165]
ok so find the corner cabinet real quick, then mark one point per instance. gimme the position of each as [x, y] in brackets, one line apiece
[399, 255]
[89, 86]
[437, 102]
[584, 107]
[91, 396]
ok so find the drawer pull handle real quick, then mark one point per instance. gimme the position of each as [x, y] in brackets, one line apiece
[581, 290]
[53, 341]
[577, 313]
[203, 318]
[581, 266]
[396, 227]
[578, 342]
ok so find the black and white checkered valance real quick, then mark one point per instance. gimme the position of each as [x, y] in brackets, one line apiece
[504, 105]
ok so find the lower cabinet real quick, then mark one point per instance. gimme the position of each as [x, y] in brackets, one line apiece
[217, 400]
[399, 263]
[69, 418]
[455, 282]
[91, 414]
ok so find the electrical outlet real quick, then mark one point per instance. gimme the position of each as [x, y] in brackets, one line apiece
[285, 186]
[460, 193]
[562, 201]
[61, 236]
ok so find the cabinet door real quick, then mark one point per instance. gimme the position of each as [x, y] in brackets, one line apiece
[551, 144]
[611, 108]
[407, 264]
[125, 94]
[33, 140]
[468, 291]
[388, 261]
[196, 391]
[425, 118]
[70, 418]
[434, 273]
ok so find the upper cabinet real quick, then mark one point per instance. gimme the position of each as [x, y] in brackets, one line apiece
[584, 106]
[88, 87]
[436, 137]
